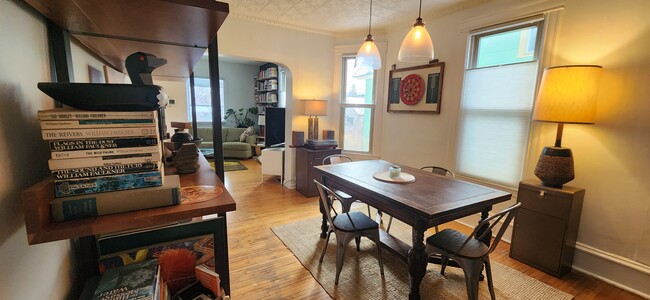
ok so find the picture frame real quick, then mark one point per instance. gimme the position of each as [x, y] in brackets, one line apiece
[416, 89]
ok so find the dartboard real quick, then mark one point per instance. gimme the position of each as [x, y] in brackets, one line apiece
[412, 89]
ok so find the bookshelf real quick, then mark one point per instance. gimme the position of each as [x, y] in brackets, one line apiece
[266, 87]
[178, 30]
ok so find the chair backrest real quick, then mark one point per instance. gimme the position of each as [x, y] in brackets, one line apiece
[336, 159]
[485, 227]
[439, 170]
[327, 198]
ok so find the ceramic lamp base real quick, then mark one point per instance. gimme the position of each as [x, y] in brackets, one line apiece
[555, 166]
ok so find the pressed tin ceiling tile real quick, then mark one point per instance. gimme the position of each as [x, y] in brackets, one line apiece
[340, 16]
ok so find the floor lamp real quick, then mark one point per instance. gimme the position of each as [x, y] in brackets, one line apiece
[567, 94]
[313, 109]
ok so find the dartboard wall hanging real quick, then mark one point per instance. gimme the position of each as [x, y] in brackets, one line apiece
[412, 89]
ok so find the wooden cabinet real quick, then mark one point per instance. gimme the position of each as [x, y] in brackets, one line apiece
[546, 226]
[306, 159]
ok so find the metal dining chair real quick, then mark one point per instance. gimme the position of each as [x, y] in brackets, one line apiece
[346, 226]
[468, 251]
[346, 200]
[436, 170]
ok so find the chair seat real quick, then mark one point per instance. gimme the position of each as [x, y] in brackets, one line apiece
[450, 240]
[361, 222]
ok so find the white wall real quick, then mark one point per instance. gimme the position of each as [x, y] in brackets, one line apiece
[26, 272]
[611, 157]
[307, 57]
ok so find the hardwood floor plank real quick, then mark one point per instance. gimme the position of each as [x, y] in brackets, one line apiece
[261, 266]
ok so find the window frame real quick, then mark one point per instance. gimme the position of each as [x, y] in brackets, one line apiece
[539, 21]
[344, 105]
[205, 82]
[476, 35]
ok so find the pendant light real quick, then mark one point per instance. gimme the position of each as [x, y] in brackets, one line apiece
[417, 46]
[368, 54]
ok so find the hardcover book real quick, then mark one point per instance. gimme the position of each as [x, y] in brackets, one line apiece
[60, 164]
[131, 282]
[92, 144]
[76, 114]
[93, 133]
[103, 152]
[86, 206]
[93, 123]
[112, 183]
[104, 170]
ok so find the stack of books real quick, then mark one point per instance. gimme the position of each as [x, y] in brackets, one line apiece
[321, 144]
[95, 152]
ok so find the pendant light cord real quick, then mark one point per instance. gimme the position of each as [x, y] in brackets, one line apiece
[419, 11]
[370, 20]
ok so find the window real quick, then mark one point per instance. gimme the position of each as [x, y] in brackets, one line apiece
[357, 106]
[497, 99]
[203, 100]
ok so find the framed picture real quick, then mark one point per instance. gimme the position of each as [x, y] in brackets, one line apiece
[416, 89]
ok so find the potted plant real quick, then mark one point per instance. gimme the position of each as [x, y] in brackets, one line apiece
[240, 117]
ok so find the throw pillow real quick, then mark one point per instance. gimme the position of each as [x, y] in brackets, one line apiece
[249, 131]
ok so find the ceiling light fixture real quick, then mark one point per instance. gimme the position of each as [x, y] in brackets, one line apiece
[368, 54]
[417, 46]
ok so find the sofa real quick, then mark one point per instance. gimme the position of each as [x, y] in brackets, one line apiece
[232, 147]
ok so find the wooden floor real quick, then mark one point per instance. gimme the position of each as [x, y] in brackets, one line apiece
[261, 267]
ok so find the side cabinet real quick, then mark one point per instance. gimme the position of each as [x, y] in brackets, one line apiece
[306, 159]
[546, 226]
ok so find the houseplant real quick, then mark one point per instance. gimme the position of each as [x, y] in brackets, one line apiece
[240, 117]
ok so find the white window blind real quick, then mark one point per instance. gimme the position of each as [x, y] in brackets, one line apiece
[495, 117]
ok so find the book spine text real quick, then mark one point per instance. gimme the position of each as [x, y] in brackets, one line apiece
[91, 144]
[103, 152]
[69, 134]
[92, 185]
[103, 170]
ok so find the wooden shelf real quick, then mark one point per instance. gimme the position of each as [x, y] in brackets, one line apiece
[178, 30]
[41, 228]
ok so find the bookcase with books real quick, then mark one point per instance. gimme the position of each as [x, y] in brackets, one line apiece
[266, 87]
[83, 154]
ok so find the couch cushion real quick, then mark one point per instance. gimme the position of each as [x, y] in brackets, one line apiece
[231, 134]
[248, 132]
[237, 146]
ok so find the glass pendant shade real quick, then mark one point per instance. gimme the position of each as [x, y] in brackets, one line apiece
[368, 55]
[417, 46]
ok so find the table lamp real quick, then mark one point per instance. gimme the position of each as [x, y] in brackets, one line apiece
[313, 109]
[567, 94]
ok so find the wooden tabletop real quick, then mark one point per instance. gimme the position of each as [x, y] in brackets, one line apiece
[41, 229]
[433, 197]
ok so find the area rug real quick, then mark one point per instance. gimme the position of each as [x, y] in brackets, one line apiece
[230, 165]
[360, 277]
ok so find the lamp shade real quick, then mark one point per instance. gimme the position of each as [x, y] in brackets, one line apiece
[567, 94]
[368, 54]
[417, 46]
[315, 107]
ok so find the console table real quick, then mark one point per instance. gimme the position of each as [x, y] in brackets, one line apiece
[306, 159]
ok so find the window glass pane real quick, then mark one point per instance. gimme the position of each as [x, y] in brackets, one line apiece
[507, 47]
[357, 123]
[358, 83]
[203, 100]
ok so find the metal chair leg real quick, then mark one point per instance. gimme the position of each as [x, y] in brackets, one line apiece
[327, 240]
[390, 221]
[488, 272]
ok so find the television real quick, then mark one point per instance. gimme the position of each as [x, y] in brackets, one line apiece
[274, 127]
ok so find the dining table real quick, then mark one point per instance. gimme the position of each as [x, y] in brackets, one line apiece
[418, 198]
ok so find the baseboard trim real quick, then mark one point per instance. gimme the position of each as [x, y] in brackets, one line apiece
[616, 270]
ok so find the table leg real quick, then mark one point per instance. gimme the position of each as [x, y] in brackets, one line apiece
[417, 262]
[487, 239]
[323, 226]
